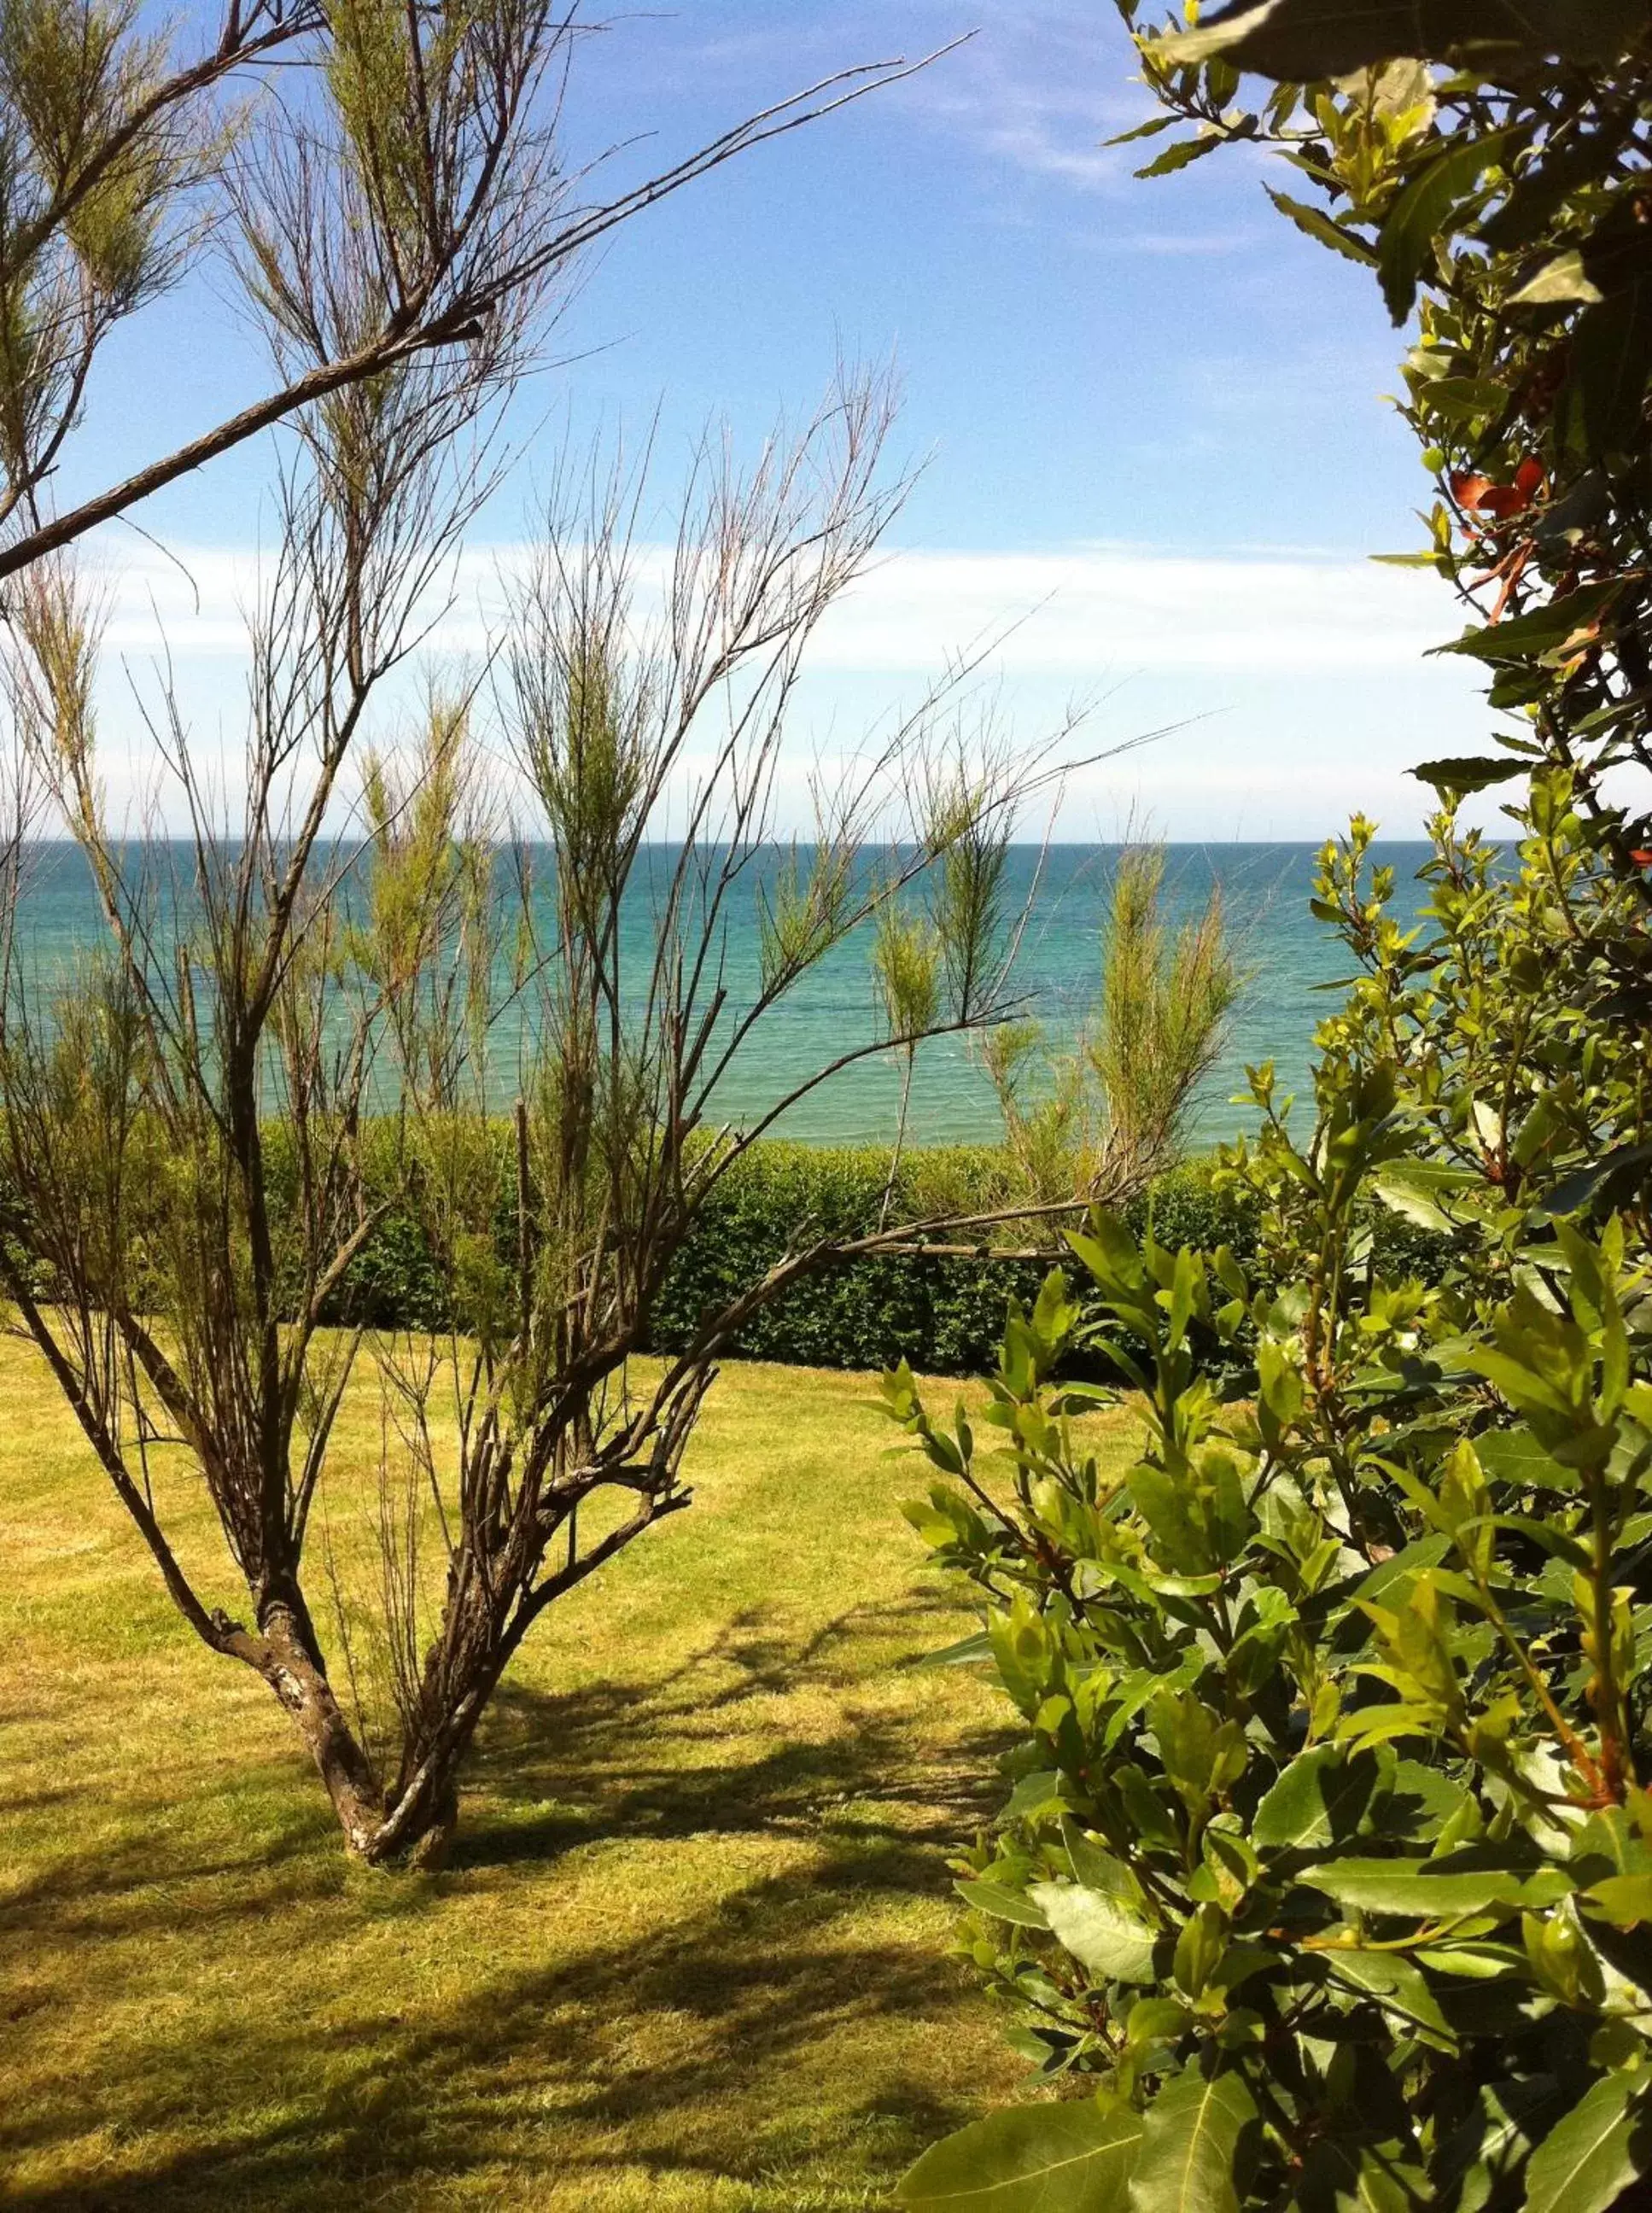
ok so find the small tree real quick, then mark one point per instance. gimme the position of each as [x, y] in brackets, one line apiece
[184, 1128]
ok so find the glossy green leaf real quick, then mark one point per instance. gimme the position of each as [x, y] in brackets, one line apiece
[1036, 1793]
[1624, 1898]
[1563, 279]
[1179, 157]
[1066, 2158]
[1480, 2158]
[1413, 1887]
[1546, 629]
[1342, 2174]
[1319, 1798]
[968, 1652]
[1421, 1552]
[1516, 1457]
[1318, 225]
[1467, 399]
[1422, 1801]
[1472, 1962]
[1396, 1984]
[1002, 1904]
[1547, 1539]
[1152, 128]
[1099, 1930]
[1469, 773]
[1423, 211]
[1096, 1867]
[1620, 1169]
[1190, 2145]
[1414, 1188]
[1592, 2156]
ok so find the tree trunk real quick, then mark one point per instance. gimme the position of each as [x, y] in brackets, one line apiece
[421, 1812]
[416, 1831]
[300, 1682]
[430, 1848]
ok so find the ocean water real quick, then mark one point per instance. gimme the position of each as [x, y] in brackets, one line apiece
[1290, 959]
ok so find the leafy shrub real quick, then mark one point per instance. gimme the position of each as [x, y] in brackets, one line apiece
[943, 1311]
[1328, 1860]
[1328, 1856]
[946, 1310]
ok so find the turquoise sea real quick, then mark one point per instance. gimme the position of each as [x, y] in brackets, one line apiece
[1290, 958]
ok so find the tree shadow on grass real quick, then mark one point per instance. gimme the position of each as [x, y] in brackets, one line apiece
[727, 2045]
[677, 1756]
[690, 2054]
[101, 1885]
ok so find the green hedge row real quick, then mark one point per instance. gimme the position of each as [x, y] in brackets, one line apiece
[943, 1313]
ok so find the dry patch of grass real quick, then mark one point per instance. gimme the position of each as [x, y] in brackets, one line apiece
[691, 1952]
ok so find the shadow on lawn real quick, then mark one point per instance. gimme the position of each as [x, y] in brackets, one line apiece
[675, 1757]
[100, 1883]
[722, 2005]
[695, 2044]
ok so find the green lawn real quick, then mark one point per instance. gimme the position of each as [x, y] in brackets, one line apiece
[691, 1952]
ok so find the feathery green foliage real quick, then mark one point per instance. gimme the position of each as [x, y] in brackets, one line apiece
[400, 212]
[1111, 1115]
[288, 1059]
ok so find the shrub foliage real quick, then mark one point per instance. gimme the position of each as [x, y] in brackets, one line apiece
[1328, 1852]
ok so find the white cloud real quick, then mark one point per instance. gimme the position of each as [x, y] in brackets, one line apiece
[1084, 611]
[1040, 87]
[1293, 686]
[1164, 242]
[1103, 610]
[1035, 84]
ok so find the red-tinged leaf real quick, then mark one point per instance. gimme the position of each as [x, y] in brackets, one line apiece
[1529, 477]
[1469, 490]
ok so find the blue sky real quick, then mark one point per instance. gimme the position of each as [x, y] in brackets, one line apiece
[1150, 411]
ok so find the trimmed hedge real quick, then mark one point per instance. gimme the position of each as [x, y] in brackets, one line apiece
[943, 1313]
